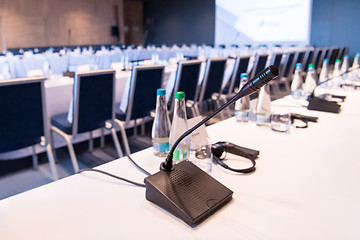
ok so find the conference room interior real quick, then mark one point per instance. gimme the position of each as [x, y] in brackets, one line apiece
[180, 30]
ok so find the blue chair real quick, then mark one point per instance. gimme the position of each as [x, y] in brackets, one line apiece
[186, 80]
[93, 107]
[212, 83]
[23, 121]
[141, 101]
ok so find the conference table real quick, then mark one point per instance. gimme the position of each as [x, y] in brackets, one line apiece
[305, 187]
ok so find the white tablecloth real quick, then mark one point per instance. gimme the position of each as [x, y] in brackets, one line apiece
[305, 187]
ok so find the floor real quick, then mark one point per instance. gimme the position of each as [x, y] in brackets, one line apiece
[19, 176]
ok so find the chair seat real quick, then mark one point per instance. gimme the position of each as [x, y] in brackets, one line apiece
[60, 121]
[22, 143]
[119, 114]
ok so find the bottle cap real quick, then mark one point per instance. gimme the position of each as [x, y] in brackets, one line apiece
[326, 60]
[161, 91]
[179, 95]
[243, 75]
[311, 65]
[357, 55]
[337, 60]
[346, 56]
[298, 65]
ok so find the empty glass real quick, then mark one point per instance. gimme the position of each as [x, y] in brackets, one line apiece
[281, 120]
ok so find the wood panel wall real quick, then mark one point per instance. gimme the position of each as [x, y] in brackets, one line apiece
[36, 23]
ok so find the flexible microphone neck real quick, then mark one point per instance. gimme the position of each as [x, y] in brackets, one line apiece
[329, 79]
[252, 86]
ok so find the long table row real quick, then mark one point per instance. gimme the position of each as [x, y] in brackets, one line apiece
[304, 187]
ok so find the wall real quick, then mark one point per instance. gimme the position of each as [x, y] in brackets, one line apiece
[29, 23]
[179, 21]
[335, 22]
[133, 15]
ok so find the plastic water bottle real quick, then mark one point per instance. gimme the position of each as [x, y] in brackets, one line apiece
[355, 70]
[161, 126]
[324, 74]
[46, 68]
[6, 70]
[178, 127]
[345, 67]
[263, 107]
[296, 85]
[310, 81]
[242, 106]
[336, 74]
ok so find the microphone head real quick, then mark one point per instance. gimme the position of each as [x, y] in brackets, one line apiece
[264, 77]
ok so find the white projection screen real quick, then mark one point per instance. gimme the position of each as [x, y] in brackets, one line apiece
[262, 22]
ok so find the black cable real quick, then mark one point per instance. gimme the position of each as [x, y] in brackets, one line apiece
[143, 170]
[111, 175]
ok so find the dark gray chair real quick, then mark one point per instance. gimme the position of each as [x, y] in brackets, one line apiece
[212, 82]
[241, 66]
[186, 80]
[144, 82]
[23, 121]
[93, 107]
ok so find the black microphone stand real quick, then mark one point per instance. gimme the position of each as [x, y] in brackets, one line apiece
[320, 104]
[185, 190]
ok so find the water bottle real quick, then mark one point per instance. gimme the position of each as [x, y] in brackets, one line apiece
[6, 70]
[345, 67]
[355, 70]
[242, 106]
[336, 74]
[263, 107]
[296, 85]
[179, 126]
[161, 126]
[324, 74]
[46, 68]
[310, 81]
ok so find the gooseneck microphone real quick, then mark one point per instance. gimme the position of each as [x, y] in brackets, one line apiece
[320, 104]
[184, 189]
[252, 86]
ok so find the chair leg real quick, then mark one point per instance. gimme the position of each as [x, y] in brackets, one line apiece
[102, 139]
[52, 143]
[135, 128]
[143, 127]
[52, 162]
[124, 137]
[34, 158]
[91, 142]
[116, 143]
[70, 148]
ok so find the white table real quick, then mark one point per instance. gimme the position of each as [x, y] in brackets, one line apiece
[305, 187]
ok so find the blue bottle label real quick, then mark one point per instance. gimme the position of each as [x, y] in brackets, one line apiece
[161, 147]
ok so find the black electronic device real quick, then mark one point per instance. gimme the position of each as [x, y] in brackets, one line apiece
[321, 104]
[185, 190]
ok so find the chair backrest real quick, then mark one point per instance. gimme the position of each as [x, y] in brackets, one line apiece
[241, 66]
[307, 59]
[143, 84]
[317, 57]
[94, 100]
[333, 56]
[259, 64]
[23, 113]
[187, 78]
[214, 74]
[290, 57]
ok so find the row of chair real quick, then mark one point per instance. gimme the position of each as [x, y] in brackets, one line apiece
[22, 103]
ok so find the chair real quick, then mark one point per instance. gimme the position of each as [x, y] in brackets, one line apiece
[93, 108]
[141, 97]
[212, 83]
[23, 120]
[285, 74]
[241, 66]
[274, 85]
[186, 80]
[308, 58]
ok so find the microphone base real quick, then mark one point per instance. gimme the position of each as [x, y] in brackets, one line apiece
[187, 192]
[323, 105]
